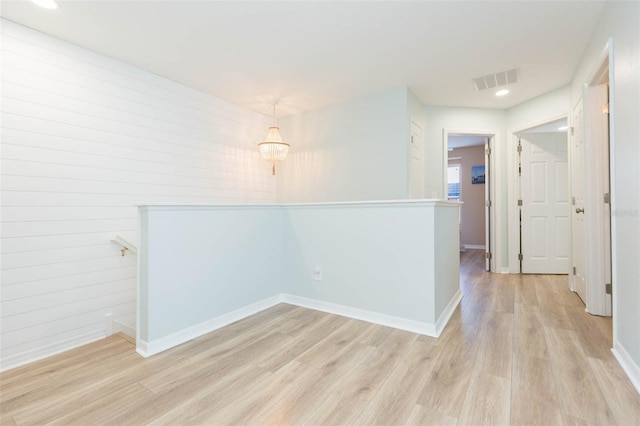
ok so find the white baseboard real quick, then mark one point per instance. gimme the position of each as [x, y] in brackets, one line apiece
[474, 247]
[448, 311]
[362, 314]
[627, 364]
[119, 327]
[49, 350]
[146, 349]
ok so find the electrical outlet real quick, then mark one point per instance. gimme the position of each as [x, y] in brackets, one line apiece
[317, 273]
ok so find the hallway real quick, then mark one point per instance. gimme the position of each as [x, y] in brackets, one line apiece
[518, 350]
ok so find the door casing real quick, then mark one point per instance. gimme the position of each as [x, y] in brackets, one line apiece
[494, 233]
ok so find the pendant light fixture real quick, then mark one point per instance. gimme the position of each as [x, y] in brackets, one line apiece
[273, 148]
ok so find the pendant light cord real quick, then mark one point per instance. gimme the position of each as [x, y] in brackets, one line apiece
[274, 114]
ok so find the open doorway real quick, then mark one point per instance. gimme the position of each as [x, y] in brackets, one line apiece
[468, 179]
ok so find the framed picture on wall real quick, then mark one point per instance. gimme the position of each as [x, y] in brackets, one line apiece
[477, 174]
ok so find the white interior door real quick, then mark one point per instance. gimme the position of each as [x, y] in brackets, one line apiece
[417, 163]
[578, 249]
[597, 216]
[546, 226]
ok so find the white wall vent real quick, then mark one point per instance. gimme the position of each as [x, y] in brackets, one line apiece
[498, 79]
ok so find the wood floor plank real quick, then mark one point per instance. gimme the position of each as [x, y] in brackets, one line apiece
[353, 394]
[593, 332]
[504, 293]
[423, 416]
[617, 390]
[298, 400]
[210, 397]
[528, 331]
[578, 392]
[219, 364]
[534, 398]
[22, 379]
[525, 289]
[447, 384]
[263, 394]
[217, 356]
[495, 349]
[488, 400]
[313, 335]
[103, 411]
[551, 308]
[76, 380]
[393, 403]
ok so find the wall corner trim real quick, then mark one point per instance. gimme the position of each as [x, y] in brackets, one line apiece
[628, 365]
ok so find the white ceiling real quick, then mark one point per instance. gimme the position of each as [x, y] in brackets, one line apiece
[463, 141]
[317, 53]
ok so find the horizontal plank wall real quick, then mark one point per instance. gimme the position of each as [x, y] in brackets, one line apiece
[84, 140]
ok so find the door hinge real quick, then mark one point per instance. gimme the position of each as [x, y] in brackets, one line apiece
[574, 270]
[520, 203]
[519, 148]
[572, 130]
[487, 151]
[573, 201]
[607, 198]
[607, 288]
[520, 256]
[487, 203]
[489, 255]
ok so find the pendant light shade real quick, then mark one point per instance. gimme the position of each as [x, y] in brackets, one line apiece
[274, 148]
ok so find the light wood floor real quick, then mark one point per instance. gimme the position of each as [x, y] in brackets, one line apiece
[518, 350]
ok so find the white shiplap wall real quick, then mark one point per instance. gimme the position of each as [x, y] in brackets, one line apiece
[85, 139]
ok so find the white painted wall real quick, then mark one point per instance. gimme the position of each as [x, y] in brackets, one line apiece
[439, 118]
[84, 140]
[389, 262]
[357, 150]
[381, 257]
[202, 262]
[539, 110]
[621, 23]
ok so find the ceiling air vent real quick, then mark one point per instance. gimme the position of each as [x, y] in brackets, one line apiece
[498, 79]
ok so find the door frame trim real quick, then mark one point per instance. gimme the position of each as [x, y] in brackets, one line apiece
[495, 231]
[594, 223]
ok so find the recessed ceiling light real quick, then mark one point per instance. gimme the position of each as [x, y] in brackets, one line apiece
[563, 128]
[502, 92]
[47, 4]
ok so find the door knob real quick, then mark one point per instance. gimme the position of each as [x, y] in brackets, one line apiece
[579, 210]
